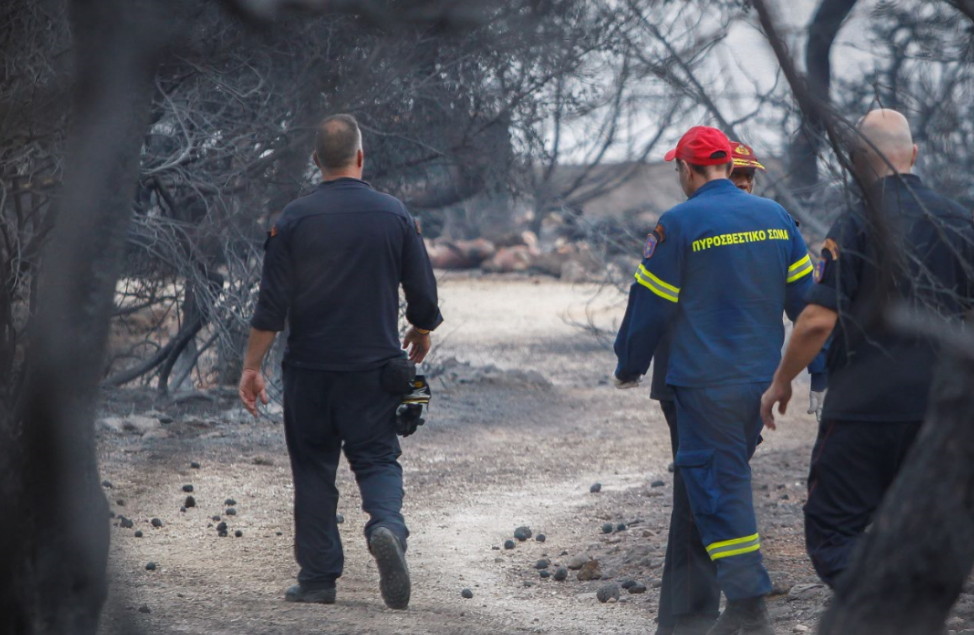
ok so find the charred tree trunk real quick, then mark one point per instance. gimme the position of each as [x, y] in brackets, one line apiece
[818, 61]
[53, 514]
[911, 567]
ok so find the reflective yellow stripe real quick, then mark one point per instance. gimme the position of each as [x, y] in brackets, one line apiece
[657, 286]
[736, 552]
[800, 269]
[729, 543]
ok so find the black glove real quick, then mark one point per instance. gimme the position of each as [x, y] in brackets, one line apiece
[409, 414]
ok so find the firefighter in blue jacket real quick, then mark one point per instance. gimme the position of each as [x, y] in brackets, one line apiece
[717, 273]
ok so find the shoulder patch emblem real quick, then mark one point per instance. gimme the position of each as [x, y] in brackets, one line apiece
[660, 232]
[650, 247]
[819, 270]
[832, 247]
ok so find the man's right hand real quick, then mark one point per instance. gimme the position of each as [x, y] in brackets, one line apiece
[417, 344]
[252, 387]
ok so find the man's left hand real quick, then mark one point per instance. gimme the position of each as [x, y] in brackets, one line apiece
[252, 387]
[777, 393]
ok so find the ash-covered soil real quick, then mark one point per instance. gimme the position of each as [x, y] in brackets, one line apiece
[524, 422]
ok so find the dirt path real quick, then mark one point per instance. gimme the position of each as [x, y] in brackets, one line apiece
[497, 454]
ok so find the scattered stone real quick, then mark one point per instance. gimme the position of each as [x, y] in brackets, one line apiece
[607, 528]
[150, 566]
[183, 509]
[561, 574]
[545, 574]
[138, 533]
[229, 502]
[621, 527]
[222, 526]
[107, 484]
[190, 502]
[467, 594]
[627, 584]
[806, 591]
[222, 534]
[238, 534]
[657, 584]
[577, 562]
[608, 592]
[215, 519]
[195, 465]
[187, 488]
[540, 537]
[522, 533]
[165, 419]
[339, 519]
[509, 544]
[591, 571]
[120, 502]
[279, 533]
[596, 488]
[542, 564]
[156, 522]
[671, 468]
[125, 523]
[658, 483]
[637, 588]
[231, 511]
[145, 609]
[528, 584]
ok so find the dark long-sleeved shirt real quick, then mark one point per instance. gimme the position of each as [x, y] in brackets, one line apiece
[333, 265]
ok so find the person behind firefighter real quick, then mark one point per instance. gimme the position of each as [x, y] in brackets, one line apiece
[333, 266]
[880, 378]
[717, 274]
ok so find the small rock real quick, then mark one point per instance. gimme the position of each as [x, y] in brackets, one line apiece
[540, 537]
[165, 420]
[608, 592]
[229, 502]
[120, 502]
[657, 584]
[621, 527]
[144, 609]
[150, 566]
[561, 574]
[637, 588]
[279, 533]
[183, 509]
[577, 562]
[339, 519]
[125, 523]
[190, 502]
[591, 571]
[107, 484]
[238, 534]
[187, 488]
[522, 533]
[138, 533]
[222, 534]
[528, 584]
[467, 594]
[156, 522]
[658, 483]
[509, 544]
[230, 511]
[607, 528]
[542, 564]
[215, 519]
[596, 488]
[627, 584]
[195, 465]
[671, 468]
[545, 574]
[222, 526]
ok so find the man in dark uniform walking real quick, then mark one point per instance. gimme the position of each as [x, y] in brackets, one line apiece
[333, 265]
[879, 378]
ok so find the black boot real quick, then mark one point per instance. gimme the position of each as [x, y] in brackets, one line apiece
[393, 573]
[298, 593]
[693, 625]
[744, 617]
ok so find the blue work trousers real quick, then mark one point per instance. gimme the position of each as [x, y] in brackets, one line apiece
[719, 428]
[326, 413]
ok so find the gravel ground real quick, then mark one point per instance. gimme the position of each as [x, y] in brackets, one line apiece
[503, 449]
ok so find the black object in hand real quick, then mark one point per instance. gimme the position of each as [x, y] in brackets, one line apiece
[409, 416]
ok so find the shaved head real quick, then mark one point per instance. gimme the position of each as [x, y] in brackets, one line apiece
[889, 149]
[338, 142]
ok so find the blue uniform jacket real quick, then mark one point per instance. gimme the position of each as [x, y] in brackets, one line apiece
[719, 269]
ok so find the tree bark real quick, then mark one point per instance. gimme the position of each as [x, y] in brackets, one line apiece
[911, 567]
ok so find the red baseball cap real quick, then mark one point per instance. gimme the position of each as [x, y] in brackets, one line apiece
[702, 145]
[744, 156]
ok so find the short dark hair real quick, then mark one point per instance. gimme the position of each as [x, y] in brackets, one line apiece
[704, 170]
[337, 141]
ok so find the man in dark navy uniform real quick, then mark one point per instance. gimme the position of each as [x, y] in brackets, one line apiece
[880, 378]
[717, 274]
[333, 266]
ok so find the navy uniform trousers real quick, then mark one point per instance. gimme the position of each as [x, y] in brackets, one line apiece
[853, 464]
[689, 575]
[326, 413]
[719, 429]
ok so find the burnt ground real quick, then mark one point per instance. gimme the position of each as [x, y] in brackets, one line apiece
[519, 444]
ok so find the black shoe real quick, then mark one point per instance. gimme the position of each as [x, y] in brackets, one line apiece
[693, 625]
[298, 593]
[744, 617]
[393, 572]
